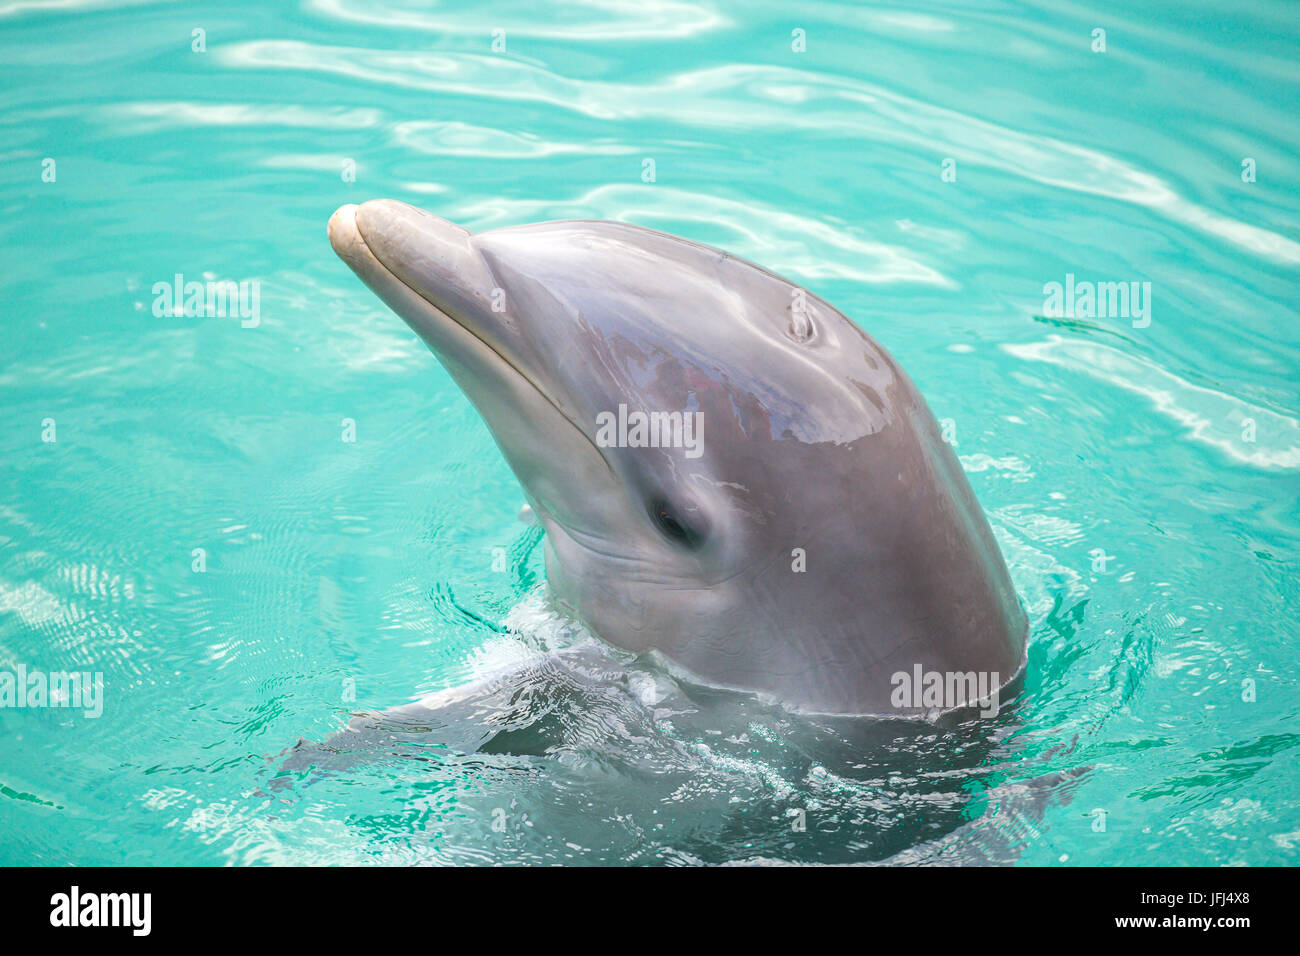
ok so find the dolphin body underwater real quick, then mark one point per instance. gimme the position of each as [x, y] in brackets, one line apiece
[813, 537]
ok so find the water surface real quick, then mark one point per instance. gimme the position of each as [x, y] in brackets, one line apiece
[1141, 472]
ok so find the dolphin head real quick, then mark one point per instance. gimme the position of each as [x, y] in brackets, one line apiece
[729, 472]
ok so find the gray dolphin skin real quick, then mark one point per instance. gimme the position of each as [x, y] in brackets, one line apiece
[813, 537]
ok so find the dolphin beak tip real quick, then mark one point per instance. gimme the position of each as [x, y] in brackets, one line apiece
[342, 229]
[348, 239]
[401, 251]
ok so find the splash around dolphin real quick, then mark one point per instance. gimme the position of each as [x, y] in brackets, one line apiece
[729, 471]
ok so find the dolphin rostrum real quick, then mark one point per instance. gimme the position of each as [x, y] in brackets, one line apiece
[729, 471]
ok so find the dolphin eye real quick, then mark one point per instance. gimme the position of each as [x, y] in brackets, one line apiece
[673, 527]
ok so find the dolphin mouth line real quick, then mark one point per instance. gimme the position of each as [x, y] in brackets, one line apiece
[354, 228]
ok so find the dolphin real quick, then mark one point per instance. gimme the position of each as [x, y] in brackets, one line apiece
[795, 527]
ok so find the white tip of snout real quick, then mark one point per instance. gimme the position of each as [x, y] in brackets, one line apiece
[398, 235]
[344, 237]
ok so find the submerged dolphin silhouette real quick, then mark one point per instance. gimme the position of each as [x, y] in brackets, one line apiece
[811, 538]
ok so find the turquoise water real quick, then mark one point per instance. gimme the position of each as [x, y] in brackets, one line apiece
[1141, 472]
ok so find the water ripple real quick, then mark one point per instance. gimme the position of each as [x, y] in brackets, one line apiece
[147, 117]
[463, 139]
[782, 98]
[577, 20]
[783, 241]
[1210, 417]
